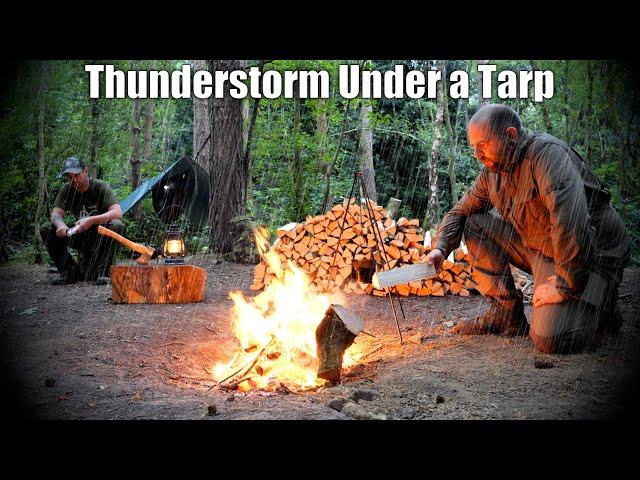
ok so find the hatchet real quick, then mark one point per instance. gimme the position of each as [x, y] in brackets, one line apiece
[402, 275]
[146, 253]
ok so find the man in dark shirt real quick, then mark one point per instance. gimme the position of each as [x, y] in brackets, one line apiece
[554, 221]
[93, 203]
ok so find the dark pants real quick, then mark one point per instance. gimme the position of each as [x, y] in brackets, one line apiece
[96, 253]
[554, 328]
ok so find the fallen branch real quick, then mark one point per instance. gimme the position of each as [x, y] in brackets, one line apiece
[170, 343]
[371, 352]
[175, 376]
[234, 385]
[255, 360]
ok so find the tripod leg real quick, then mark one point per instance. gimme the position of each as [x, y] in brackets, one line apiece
[344, 216]
[379, 242]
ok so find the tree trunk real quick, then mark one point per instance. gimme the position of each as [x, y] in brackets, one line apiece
[148, 131]
[588, 115]
[327, 186]
[365, 151]
[95, 138]
[167, 120]
[481, 101]
[322, 130]
[617, 128]
[41, 168]
[545, 111]
[201, 127]
[134, 159]
[565, 105]
[228, 171]
[432, 206]
[453, 141]
[249, 133]
[297, 155]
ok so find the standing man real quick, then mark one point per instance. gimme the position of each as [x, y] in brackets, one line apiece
[554, 222]
[93, 203]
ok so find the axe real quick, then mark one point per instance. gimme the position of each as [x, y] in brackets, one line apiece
[402, 275]
[146, 253]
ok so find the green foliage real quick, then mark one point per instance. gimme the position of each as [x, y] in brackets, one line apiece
[403, 134]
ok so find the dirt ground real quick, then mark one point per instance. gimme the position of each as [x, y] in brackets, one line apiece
[71, 353]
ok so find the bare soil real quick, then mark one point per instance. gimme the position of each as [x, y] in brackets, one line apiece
[69, 352]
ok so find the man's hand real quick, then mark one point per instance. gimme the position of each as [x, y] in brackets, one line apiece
[61, 232]
[548, 293]
[435, 258]
[84, 224]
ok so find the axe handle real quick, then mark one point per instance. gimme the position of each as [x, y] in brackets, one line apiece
[136, 247]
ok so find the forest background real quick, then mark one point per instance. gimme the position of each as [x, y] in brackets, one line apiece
[279, 160]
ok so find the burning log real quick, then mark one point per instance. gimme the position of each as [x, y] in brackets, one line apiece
[335, 333]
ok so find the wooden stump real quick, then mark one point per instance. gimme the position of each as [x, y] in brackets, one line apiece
[157, 284]
[336, 333]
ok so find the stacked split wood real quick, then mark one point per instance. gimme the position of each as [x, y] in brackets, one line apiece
[337, 248]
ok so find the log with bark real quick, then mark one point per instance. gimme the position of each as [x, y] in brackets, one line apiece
[335, 333]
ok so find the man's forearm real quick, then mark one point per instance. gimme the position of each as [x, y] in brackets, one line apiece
[105, 217]
[57, 221]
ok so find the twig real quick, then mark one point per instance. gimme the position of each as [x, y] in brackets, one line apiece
[210, 329]
[170, 343]
[177, 375]
[372, 351]
[363, 377]
[367, 333]
[255, 360]
[234, 385]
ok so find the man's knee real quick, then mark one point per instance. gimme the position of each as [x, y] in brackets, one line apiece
[47, 232]
[45, 228]
[116, 225]
[563, 327]
[570, 342]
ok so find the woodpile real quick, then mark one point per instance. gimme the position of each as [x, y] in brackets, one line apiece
[336, 257]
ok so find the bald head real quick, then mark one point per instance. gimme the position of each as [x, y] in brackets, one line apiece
[496, 119]
[493, 134]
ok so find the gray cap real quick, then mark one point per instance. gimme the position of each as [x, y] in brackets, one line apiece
[72, 165]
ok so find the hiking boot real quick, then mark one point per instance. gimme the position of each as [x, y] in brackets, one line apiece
[102, 281]
[611, 322]
[506, 318]
[65, 280]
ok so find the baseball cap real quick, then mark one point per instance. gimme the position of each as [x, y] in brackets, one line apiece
[72, 165]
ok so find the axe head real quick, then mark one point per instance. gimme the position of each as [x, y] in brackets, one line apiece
[145, 258]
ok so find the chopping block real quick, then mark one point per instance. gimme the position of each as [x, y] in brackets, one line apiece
[157, 284]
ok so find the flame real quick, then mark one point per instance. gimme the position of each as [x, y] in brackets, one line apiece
[277, 327]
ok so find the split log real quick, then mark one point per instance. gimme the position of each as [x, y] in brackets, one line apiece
[319, 243]
[393, 207]
[397, 276]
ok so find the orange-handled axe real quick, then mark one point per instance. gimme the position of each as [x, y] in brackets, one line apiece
[146, 253]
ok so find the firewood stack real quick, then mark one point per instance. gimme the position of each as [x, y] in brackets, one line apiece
[312, 246]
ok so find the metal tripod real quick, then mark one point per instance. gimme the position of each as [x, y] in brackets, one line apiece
[356, 185]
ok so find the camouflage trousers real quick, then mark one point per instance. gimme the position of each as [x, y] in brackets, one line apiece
[96, 253]
[554, 328]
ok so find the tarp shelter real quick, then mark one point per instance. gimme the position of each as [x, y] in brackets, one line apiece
[180, 189]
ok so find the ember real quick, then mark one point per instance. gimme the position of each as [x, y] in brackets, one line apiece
[277, 330]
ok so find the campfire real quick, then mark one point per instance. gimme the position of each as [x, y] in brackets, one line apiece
[279, 335]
